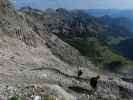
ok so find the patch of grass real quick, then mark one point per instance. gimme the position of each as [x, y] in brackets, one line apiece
[107, 98]
[15, 98]
[87, 48]
[48, 98]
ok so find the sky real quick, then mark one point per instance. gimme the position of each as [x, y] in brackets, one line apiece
[76, 4]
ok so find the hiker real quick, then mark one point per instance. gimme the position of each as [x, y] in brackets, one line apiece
[93, 82]
[80, 72]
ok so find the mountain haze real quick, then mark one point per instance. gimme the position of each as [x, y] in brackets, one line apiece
[111, 12]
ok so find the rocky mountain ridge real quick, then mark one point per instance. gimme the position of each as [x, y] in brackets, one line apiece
[87, 34]
[31, 54]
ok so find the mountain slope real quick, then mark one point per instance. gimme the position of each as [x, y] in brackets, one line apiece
[80, 31]
[118, 27]
[36, 63]
[125, 48]
[23, 49]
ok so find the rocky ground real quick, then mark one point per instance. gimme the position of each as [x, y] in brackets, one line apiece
[33, 66]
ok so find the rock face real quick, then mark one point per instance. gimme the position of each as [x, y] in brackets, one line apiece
[23, 49]
[30, 54]
[4, 2]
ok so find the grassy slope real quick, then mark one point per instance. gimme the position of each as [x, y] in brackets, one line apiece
[97, 52]
[125, 48]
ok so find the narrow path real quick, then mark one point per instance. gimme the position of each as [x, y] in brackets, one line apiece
[61, 73]
[114, 86]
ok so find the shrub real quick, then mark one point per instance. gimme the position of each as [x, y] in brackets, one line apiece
[15, 98]
[48, 98]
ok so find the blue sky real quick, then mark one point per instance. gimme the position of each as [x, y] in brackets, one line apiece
[76, 4]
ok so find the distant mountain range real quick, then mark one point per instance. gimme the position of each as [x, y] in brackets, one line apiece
[111, 13]
[89, 35]
[121, 18]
